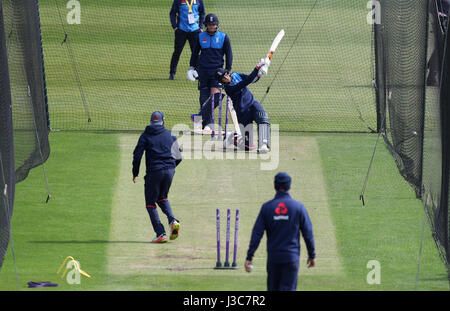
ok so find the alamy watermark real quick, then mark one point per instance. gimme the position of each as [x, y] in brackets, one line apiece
[374, 16]
[374, 275]
[74, 15]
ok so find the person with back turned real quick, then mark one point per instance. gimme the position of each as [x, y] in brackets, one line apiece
[283, 218]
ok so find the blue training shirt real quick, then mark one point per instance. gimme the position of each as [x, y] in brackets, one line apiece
[212, 50]
[283, 218]
[179, 15]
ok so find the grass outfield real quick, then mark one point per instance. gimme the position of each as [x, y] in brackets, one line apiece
[96, 215]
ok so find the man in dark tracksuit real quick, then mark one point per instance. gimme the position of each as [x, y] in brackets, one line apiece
[283, 218]
[246, 107]
[162, 155]
[213, 45]
[186, 17]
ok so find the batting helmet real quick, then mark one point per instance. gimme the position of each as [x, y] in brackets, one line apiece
[211, 19]
[220, 73]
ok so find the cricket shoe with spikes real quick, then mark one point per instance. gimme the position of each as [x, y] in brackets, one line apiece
[174, 228]
[263, 149]
[160, 239]
[263, 146]
[199, 131]
[206, 131]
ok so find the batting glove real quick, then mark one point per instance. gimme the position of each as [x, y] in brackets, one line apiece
[192, 74]
[262, 72]
[260, 63]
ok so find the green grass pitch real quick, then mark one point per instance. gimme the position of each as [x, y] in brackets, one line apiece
[97, 215]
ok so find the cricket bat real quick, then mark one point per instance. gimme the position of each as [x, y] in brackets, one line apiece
[234, 119]
[273, 47]
[275, 44]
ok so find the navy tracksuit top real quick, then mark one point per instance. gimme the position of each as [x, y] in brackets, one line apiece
[213, 49]
[239, 93]
[181, 21]
[161, 150]
[283, 218]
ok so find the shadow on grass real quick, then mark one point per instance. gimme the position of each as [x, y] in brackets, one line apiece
[128, 79]
[88, 242]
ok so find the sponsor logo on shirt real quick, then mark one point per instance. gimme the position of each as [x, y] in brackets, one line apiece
[281, 212]
[184, 2]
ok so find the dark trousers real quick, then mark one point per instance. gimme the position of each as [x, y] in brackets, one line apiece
[206, 81]
[246, 118]
[157, 185]
[180, 40]
[282, 276]
[206, 110]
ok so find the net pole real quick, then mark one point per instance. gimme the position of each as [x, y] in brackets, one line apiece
[421, 249]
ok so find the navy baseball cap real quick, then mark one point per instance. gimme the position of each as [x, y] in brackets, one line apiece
[282, 181]
[157, 118]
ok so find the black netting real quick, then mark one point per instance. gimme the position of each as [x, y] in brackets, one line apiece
[25, 58]
[111, 71]
[433, 152]
[412, 97]
[441, 215]
[7, 176]
[401, 52]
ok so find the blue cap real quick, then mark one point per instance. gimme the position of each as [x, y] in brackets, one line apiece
[282, 181]
[157, 118]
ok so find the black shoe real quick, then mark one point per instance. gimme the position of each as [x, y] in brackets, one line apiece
[172, 76]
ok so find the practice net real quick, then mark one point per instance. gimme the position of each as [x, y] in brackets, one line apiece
[23, 108]
[107, 62]
[410, 50]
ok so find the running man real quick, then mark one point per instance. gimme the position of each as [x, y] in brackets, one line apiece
[162, 155]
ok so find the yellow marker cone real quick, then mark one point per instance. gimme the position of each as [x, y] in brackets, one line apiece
[76, 265]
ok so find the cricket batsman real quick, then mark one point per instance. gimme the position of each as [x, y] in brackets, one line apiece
[246, 107]
[162, 155]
